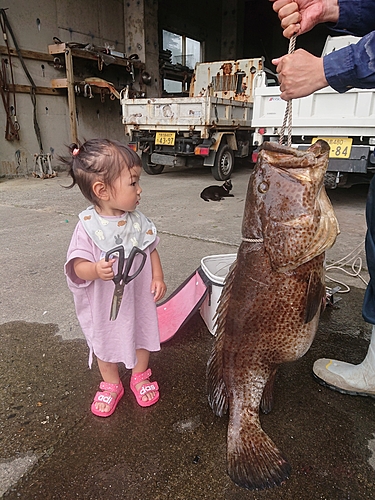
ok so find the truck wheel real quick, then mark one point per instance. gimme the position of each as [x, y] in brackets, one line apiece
[224, 163]
[149, 167]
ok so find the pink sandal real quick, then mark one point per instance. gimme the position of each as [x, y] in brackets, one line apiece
[104, 396]
[147, 387]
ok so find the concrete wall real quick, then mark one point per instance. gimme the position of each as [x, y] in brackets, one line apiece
[34, 24]
[142, 38]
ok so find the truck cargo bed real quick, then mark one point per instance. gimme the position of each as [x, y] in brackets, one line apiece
[178, 113]
[324, 113]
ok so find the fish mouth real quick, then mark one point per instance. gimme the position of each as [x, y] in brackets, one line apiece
[298, 165]
[318, 148]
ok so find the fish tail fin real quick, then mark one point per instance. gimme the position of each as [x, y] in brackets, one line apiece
[253, 460]
[217, 394]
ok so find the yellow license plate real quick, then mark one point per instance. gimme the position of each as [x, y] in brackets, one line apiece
[340, 146]
[165, 138]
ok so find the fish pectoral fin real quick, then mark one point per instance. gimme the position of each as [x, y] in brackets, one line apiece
[216, 391]
[314, 296]
[266, 403]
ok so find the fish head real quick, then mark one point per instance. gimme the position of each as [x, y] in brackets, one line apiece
[287, 205]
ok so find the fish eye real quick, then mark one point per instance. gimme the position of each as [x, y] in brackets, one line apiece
[263, 187]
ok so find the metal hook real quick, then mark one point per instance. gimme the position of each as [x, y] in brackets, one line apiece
[87, 92]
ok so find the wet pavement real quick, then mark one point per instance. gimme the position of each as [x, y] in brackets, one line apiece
[52, 447]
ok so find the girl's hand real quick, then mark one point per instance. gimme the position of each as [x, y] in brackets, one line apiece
[104, 269]
[158, 288]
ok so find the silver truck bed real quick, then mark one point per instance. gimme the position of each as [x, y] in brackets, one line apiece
[184, 114]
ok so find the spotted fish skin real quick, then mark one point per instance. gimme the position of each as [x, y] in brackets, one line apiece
[271, 302]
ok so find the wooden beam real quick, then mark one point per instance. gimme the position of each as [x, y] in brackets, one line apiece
[71, 95]
[58, 89]
[59, 83]
[59, 48]
[25, 89]
[56, 48]
[26, 54]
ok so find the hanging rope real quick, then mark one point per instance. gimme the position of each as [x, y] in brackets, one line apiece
[354, 260]
[288, 110]
[7, 95]
[6, 26]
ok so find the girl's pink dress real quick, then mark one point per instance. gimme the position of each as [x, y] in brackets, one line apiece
[136, 326]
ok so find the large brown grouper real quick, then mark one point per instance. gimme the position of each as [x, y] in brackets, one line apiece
[270, 305]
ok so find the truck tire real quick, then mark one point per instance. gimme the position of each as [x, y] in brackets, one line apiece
[224, 163]
[149, 167]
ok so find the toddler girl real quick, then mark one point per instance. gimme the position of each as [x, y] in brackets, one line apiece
[107, 173]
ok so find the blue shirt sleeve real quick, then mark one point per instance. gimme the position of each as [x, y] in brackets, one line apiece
[353, 66]
[356, 17]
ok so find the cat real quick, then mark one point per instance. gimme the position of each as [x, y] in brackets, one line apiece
[217, 193]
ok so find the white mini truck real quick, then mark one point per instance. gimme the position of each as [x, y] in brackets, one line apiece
[210, 127]
[346, 121]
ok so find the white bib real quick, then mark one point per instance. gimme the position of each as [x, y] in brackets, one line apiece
[132, 229]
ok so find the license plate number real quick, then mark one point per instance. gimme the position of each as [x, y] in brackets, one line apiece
[340, 146]
[165, 138]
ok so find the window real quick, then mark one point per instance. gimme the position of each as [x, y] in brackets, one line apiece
[185, 52]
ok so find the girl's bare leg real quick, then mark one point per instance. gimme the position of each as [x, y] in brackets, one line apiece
[110, 374]
[143, 357]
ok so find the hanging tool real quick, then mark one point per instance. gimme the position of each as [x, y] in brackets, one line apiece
[12, 126]
[7, 27]
[87, 92]
[99, 82]
[43, 161]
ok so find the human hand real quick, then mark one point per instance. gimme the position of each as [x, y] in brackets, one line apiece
[158, 288]
[300, 16]
[300, 74]
[104, 269]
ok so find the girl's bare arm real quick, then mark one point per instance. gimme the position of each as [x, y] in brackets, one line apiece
[90, 271]
[158, 287]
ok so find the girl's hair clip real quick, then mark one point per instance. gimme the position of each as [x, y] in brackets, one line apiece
[75, 151]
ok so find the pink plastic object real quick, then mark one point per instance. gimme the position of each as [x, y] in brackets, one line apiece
[181, 305]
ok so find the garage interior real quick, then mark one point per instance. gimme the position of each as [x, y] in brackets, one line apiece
[64, 64]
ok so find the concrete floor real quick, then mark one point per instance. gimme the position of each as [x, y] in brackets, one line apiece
[52, 447]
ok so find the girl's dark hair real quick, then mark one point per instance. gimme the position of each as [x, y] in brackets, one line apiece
[98, 159]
